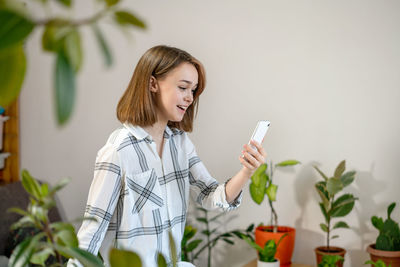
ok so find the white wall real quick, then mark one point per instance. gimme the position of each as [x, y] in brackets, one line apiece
[325, 73]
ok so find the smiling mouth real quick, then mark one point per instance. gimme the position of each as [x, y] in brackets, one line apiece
[182, 108]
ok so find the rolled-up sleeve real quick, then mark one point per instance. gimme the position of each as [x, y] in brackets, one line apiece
[209, 194]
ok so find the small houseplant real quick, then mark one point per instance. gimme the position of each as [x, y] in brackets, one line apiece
[330, 260]
[378, 263]
[261, 185]
[387, 245]
[334, 206]
[267, 253]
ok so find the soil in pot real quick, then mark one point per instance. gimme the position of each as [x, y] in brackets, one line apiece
[285, 250]
[388, 257]
[321, 251]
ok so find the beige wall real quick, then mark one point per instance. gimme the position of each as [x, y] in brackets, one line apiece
[325, 73]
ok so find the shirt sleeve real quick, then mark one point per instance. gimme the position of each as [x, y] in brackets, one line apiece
[102, 199]
[209, 193]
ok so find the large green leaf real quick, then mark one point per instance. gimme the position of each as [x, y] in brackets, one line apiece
[288, 163]
[64, 88]
[340, 169]
[347, 178]
[343, 205]
[323, 193]
[334, 185]
[14, 28]
[12, 73]
[73, 49]
[341, 224]
[271, 192]
[257, 193]
[30, 184]
[41, 256]
[84, 257]
[259, 174]
[66, 3]
[111, 2]
[103, 45]
[124, 258]
[127, 18]
[324, 211]
[24, 251]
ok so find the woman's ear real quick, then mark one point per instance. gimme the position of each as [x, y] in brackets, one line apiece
[153, 84]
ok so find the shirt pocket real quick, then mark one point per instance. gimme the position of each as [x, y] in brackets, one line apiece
[145, 191]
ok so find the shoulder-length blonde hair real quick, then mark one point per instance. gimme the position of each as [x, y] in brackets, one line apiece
[137, 104]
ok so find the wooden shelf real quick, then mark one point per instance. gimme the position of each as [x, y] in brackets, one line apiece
[10, 173]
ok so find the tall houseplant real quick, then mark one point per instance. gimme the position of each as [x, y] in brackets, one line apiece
[262, 183]
[387, 245]
[58, 239]
[334, 206]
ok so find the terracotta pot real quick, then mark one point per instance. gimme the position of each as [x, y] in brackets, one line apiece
[268, 264]
[285, 250]
[321, 251]
[389, 257]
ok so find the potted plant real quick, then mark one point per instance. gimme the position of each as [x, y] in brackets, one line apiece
[334, 206]
[387, 245]
[330, 260]
[267, 252]
[261, 185]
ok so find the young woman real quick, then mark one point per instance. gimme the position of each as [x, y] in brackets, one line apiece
[142, 177]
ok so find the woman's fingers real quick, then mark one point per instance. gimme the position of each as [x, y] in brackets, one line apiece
[259, 148]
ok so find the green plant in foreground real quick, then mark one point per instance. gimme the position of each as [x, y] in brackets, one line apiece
[267, 253]
[61, 36]
[332, 205]
[58, 239]
[262, 184]
[389, 231]
[212, 237]
[378, 263]
[330, 260]
[189, 247]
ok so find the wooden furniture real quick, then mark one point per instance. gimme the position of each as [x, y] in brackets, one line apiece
[10, 173]
[253, 263]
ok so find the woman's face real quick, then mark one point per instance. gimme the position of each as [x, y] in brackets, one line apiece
[174, 92]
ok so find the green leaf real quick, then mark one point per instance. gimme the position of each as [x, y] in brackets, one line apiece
[287, 163]
[228, 241]
[84, 257]
[161, 262]
[103, 45]
[193, 245]
[334, 185]
[18, 211]
[271, 192]
[189, 232]
[30, 184]
[340, 169]
[65, 88]
[343, 205]
[66, 3]
[324, 227]
[41, 256]
[347, 178]
[54, 35]
[321, 173]
[340, 224]
[73, 49]
[44, 189]
[250, 228]
[59, 185]
[377, 222]
[127, 18]
[67, 237]
[334, 237]
[257, 193]
[259, 175]
[23, 252]
[323, 193]
[111, 2]
[14, 28]
[124, 258]
[12, 73]
[172, 249]
[26, 221]
[390, 209]
[202, 219]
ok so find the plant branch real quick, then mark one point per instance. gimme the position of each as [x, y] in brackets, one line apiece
[80, 22]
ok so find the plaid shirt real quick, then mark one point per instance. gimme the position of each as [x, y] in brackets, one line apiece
[137, 198]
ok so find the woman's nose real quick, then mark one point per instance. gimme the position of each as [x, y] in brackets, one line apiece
[189, 96]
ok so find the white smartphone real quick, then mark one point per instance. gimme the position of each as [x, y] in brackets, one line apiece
[259, 132]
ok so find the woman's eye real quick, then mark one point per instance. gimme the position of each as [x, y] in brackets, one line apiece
[182, 88]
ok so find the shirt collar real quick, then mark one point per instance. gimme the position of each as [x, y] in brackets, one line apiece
[139, 133]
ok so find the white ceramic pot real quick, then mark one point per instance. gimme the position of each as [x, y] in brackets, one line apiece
[268, 264]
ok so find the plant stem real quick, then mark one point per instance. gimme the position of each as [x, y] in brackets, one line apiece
[49, 234]
[274, 218]
[81, 22]
[208, 240]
